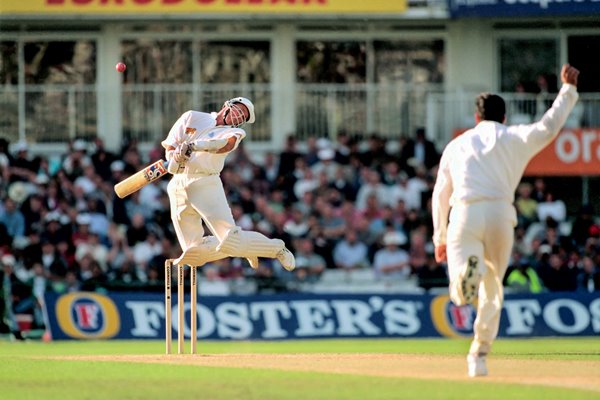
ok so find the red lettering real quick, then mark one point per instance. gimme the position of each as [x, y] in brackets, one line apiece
[293, 1]
[171, 2]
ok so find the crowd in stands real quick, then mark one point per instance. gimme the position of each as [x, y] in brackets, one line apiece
[346, 205]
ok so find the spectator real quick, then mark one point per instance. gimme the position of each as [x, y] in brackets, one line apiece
[326, 164]
[419, 151]
[525, 205]
[102, 160]
[76, 160]
[12, 219]
[350, 254]
[392, 262]
[32, 211]
[524, 279]
[584, 221]
[432, 274]
[371, 186]
[23, 168]
[588, 278]
[94, 247]
[137, 231]
[309, 265]
[551, 207]
[556, 275]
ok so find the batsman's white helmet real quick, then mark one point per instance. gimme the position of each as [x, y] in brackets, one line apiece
[248, 105]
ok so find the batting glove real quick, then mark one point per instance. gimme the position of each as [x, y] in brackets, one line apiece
[182, 153]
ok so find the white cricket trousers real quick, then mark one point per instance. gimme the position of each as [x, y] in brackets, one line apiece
[194, 198]
[483, 229]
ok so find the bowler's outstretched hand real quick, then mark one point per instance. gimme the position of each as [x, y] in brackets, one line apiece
[569, 74]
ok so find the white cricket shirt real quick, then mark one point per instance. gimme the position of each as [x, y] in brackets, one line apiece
[193, 126]
[488, 161]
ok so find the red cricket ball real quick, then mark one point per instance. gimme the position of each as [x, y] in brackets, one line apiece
[120, 67]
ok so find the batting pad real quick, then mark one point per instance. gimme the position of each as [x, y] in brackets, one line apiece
[200, 255]
[239, 243]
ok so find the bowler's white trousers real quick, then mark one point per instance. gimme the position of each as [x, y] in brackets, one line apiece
[484, 229]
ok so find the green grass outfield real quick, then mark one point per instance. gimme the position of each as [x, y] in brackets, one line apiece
[32, 370]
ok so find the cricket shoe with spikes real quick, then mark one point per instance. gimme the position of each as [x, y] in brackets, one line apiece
[464, 290]
[287, 259]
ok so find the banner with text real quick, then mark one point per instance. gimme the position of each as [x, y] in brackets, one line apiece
[86, 315]
[162, 7]
[574, 152]
[522, 8]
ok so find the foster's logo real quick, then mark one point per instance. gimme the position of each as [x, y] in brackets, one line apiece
[451, 320]
[87, 316]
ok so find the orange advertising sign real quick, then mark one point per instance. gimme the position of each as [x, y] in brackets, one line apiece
[574, 152]
[200, 6]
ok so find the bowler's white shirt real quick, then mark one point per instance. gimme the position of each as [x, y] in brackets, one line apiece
[488, 161]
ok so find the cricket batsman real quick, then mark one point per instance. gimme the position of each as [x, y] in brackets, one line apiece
[196, 148]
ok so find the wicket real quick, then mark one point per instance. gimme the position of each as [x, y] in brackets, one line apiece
[180, 307]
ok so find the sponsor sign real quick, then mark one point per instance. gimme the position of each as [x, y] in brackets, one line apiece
[142, 316]
[521, 8]
[162, 7]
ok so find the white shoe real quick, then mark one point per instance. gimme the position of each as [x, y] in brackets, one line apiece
[476, 365]
[286, 258]
[253, 261]
[464, 291]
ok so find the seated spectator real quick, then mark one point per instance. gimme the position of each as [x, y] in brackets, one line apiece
[432, 274]
[580, 230]
[309, 265]
[125, 274]
[297, 225]
[333, 225]
[349, 253]
[326, 164]
[12, 218]
[419, 249]
[371, 187]
[266, 279]
[526, 205]
[95, 248]
[392, 262]
[144, 251]
[82, 232]
[523, 278]
[212, 283]
[556, 275]
[588, 278]
[551, 207]
[306, 180]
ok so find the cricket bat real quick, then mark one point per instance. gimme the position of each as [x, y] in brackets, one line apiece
[141, 178]
[157, 169]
